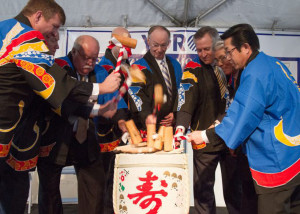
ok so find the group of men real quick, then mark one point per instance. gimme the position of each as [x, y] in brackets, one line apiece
[73, 119]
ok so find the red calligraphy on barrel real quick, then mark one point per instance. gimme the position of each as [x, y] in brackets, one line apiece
[146, 195]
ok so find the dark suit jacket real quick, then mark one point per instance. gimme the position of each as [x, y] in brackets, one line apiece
[65, 150]
[154, 76]
[201, 102]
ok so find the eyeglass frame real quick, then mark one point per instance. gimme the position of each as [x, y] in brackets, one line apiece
[163, 46]
[86, 58]
[222, 58]
[229, 53]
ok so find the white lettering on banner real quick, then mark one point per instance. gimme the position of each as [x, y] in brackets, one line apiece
[182, 45]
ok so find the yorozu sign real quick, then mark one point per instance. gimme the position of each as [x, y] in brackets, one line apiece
[278, 44]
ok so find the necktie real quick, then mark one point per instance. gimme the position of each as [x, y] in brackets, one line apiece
[166, 76]
[221, 81]
[82, 125]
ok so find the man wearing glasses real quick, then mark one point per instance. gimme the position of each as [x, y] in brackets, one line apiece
[201, 103]
[265, 115]
[158, 69]
[72, 140]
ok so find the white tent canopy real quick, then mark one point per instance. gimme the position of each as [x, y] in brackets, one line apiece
[261, 14]
[97, 17]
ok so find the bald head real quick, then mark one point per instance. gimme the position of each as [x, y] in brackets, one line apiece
[86, 42]
[121, 32]
[85, 53]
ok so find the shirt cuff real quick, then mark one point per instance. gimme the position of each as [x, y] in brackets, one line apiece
[95, 110]
[95, 91]
[204, 136]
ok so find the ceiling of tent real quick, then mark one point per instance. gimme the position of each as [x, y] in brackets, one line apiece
[261, 14]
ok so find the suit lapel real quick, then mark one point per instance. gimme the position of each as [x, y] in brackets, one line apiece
[92, 77]
[172, 76]
[109, 56]
[72, 72]
[156, 71]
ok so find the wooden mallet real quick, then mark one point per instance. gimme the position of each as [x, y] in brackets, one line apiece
[126, 41]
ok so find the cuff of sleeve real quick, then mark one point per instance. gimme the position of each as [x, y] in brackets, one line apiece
[204, 136]
[95, 91]
[95, 110]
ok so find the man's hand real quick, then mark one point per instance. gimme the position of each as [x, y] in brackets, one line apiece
[151, 119]
[168, 120]
[122, 126]
[110, 84]
[108, 109]
[195, 137]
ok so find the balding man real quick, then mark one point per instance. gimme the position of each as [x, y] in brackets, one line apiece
[158, 69]
[109, 131]
[65, 143]
[109, 60]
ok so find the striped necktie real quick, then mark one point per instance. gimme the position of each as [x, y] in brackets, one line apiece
[166, 75]
[221, 81]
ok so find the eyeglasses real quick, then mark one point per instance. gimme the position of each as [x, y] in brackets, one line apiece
[86, 58]
[156, 45]
[221, 59]
[229, 53]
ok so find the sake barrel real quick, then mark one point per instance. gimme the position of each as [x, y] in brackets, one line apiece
[151, 183]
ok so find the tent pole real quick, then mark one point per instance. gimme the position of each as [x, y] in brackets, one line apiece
[178, 23]
[200, 16]
[186, 9]
[125, 20]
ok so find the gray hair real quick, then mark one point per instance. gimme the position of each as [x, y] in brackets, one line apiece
[219, 44]
[212, 32]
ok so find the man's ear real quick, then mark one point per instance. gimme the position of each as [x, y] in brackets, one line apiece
[247, 48]
[37, 16]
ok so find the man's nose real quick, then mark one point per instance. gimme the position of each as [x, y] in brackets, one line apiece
[89, 62]
[55, 32]
[160, 49]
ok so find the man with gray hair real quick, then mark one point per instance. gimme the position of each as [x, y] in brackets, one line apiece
[200, 103]
[73, 141]
[159, 68]
[262, 119]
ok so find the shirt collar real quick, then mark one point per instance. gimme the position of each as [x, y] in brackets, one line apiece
[21, 18]
[159, 60]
